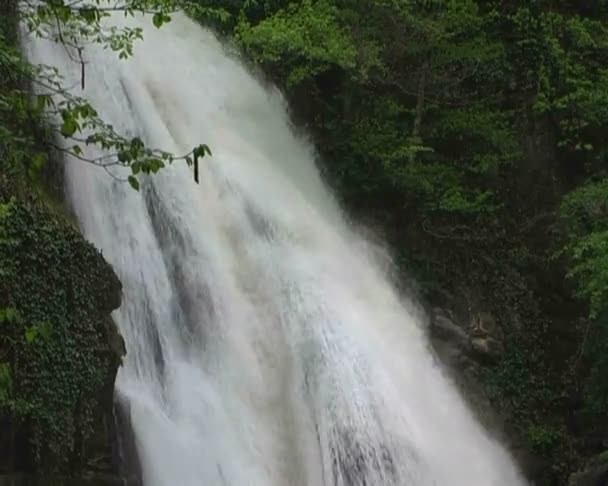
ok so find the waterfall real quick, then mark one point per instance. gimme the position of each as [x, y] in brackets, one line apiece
[266, 345]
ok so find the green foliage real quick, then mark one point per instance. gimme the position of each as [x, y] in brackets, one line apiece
[40, 330]
[585, 210]
[304, 40]
[522, 379]
[590, 268]
[512, 378]
[29, 125]
[385, 86]
[55, 360]
[542, 439]
[8, 315]
[584, 214]
[158, 19]
[6, 383]
[569, 54]
[596, 389]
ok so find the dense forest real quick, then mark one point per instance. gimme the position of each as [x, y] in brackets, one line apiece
[469, 134]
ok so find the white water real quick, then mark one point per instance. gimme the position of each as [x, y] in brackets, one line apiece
[266, 346]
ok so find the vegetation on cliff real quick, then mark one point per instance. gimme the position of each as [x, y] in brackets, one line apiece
[59, 351]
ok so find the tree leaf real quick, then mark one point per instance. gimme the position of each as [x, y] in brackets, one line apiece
[135, 167]
[30, 334]
[133, 182]
[69, 127]
[157, 20]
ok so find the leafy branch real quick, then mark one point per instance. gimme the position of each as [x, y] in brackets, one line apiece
[55, 113]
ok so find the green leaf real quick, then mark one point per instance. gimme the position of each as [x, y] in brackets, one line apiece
[8, 315]
[200, 151]
[44, 330]
[124, 156]
[90, 15]
[69, 127]
[133, 182]
[135, 167]
[42, 102]
[30, 334]
[158, 20]
[156, 165]
[136, 143]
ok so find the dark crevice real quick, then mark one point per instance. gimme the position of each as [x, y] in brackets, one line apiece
[126, 455]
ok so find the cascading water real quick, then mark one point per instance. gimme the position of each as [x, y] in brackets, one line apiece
[266, 346]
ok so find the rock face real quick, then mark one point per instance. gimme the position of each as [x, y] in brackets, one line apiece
[444, 329]
[594, 474]
[59, 350]
[479, 341]
[464, 350]
[470, 345]
[467, 347]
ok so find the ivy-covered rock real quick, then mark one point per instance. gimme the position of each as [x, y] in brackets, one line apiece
[59, 349]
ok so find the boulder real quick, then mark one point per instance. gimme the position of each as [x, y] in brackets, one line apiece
[444, 329]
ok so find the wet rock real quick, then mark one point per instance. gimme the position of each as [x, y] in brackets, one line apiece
[486, 348]
[453, 346]
[456, 345]
[444, 329]
[128, 456]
